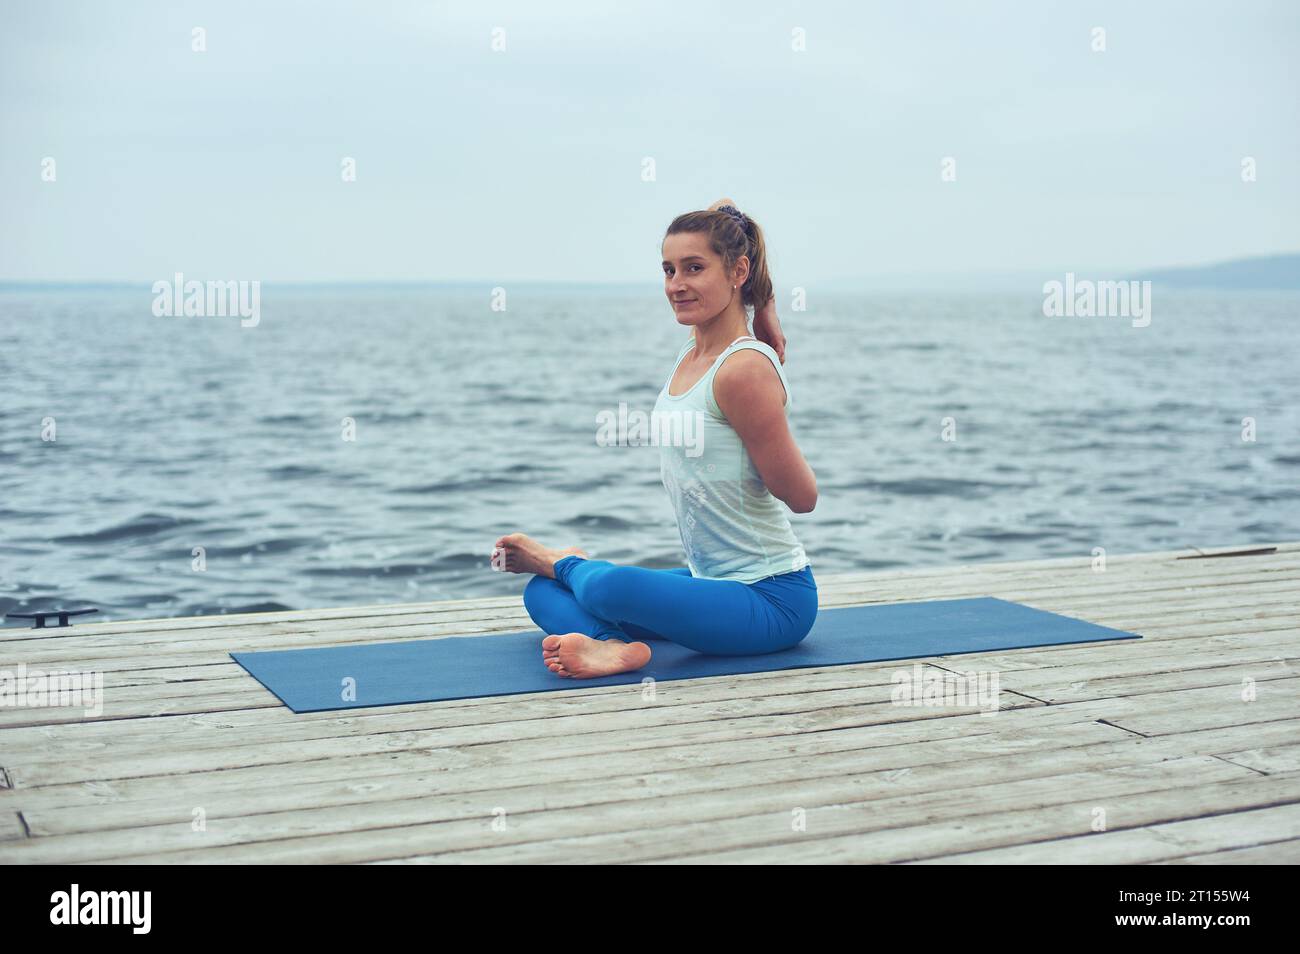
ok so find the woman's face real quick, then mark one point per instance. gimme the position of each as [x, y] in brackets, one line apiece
[695, 283]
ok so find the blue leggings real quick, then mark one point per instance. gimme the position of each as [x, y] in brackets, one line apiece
[719, 617]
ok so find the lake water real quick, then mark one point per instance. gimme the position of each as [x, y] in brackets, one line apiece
[470, 422]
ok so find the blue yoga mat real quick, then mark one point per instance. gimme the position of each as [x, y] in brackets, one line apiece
[466, 667]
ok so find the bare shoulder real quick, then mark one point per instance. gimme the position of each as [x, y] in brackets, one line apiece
[747, 377]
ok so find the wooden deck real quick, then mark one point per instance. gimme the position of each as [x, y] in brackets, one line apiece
[1150, 737]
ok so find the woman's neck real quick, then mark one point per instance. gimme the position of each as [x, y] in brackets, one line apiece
[713, 336]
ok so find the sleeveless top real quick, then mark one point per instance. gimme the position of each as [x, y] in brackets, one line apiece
[731, 525]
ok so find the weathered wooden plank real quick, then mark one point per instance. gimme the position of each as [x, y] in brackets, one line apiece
[646, 723]
[993, 829]
[903, 747]
[1273, 760]
[766, 819]
[1199, 642]
[1156, 843]
[653, 726]
[1270, 853]
[1103, 686]
[1276, 699]
[12, 828]
[937, 765]
[532, 834]
[477, 767]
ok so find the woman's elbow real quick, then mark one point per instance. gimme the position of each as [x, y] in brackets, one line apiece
[804, 504]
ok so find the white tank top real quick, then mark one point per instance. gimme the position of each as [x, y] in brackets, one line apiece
[732, 528]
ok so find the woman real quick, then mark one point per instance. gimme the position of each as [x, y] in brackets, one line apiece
[748, 588]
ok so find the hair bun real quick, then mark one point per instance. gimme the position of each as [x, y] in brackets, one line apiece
[740, 218]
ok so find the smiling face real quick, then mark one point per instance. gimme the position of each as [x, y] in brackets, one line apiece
[695, 282]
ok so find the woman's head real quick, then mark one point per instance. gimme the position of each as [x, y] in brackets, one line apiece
[706, 253]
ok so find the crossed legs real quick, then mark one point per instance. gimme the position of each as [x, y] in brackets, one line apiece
[599, 615]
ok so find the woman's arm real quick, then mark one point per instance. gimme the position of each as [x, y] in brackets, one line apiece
[749, 392]
[767, 328]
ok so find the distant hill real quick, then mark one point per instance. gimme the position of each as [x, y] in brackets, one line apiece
[1265, 271]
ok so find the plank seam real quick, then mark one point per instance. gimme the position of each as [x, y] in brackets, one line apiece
[1241, 765]
[1199, 555]
[1114, 725]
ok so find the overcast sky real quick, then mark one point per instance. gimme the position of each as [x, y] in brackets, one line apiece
[529, 163]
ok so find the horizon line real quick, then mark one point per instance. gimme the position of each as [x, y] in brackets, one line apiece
[627, 282]
[884, 278]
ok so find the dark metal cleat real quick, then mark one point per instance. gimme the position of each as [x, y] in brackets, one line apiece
[40, 617]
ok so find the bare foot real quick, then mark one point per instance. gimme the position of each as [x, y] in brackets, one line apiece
[578, 656]
[520, 553]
